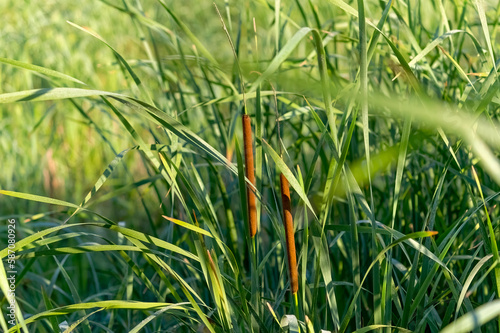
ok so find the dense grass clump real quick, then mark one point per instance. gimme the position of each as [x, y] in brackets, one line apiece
[307, 165]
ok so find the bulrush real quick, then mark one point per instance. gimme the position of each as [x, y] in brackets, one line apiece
[290, 238]
[247, 142]
[250, 174]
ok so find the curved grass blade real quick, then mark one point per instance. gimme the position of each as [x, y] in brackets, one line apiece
[78, 249]
[133, 234]
[431, 46]
[39, 198]
[49, 94]
[288, 174]
[474, 319]
[143, 323]
[468, 282]
[189, 226]
[458, 67]
[39, 69]
[104, 305]
[73, 326]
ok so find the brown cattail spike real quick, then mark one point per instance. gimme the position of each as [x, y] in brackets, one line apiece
[250, 174]
[290, 238]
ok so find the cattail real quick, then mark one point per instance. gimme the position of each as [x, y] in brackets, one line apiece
[247, 141]
[250, 174]
[290, 238]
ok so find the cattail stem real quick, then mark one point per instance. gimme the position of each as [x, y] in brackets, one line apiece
[290, 238]
[296, 303]
[250, 174]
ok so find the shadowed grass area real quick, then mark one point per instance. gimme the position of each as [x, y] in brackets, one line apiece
[127, 176]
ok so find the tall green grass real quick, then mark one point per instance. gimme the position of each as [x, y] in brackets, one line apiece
[123, 163]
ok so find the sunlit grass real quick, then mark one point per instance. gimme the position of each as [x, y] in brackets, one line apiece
[130, 131]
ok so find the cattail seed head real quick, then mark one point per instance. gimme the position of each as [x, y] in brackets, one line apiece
[250, 174]
[289, 232]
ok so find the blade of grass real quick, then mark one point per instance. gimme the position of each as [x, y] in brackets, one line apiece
[39, 69]
[474, 319]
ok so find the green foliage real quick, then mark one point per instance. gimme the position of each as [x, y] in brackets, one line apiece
[122, 166]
